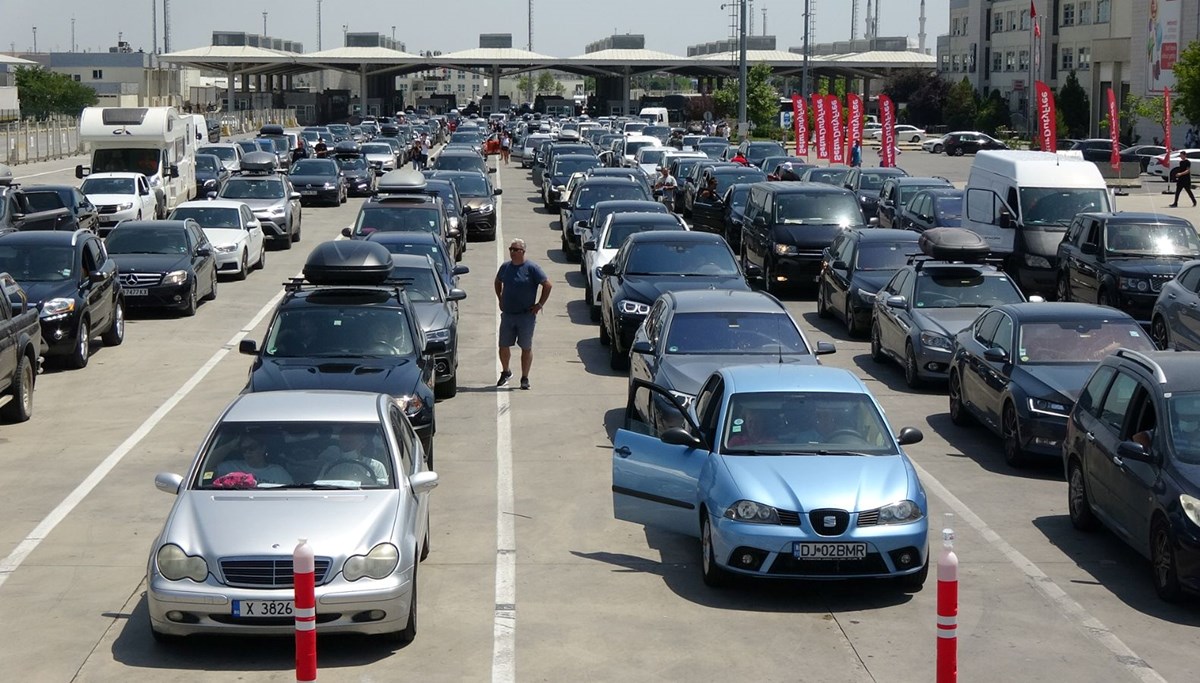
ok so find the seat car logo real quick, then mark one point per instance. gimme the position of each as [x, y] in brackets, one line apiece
[829, 521]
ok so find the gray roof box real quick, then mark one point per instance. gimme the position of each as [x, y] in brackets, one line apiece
[259, 162]
[954, 244]
[401, 181]
[348, 262]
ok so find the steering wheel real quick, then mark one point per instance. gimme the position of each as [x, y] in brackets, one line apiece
[351, 464]
[840, 436]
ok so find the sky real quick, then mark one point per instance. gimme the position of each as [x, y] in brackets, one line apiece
[561, 27]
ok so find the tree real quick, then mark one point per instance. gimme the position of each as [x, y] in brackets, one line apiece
[927, 104]
[524, 83]
[1075, 107]
[903, 84]
[993, 114]
[1185, 96]
[545, 82]
[43, 93]
[762, 99]
[961, 106]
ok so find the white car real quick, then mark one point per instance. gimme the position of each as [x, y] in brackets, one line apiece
[236, 235]
[1157, 168]
[628, 148]
[904, 133]
[229, 153]
[649, 159]
[934, 145]
[609, 237]
[119, 197]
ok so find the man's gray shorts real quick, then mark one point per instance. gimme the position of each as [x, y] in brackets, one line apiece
[517, 328]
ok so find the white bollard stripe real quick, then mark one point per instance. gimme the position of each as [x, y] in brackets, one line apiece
[306, 625]
[950, 633]
[944, 622]
[308, 612]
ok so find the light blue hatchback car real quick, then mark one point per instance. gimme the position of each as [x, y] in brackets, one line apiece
[782, 471]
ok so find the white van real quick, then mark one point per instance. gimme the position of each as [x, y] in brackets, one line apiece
[157, 142]
[1021, 202]
[655, 116]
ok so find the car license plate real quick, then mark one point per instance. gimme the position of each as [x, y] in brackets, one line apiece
[137, 292]
[308, 192]
[263, 608]
[829, 551]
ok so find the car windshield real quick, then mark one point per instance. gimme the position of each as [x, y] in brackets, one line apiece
[681, 258]
[248, 146]
[870, 180]
[1183, 420]
[419, 249]
[828, 176]
[906, 192]
[209, 217]
[651, 156]
[397, 219]
[948, 210]
[314, 167]
[146, 240]
[470, 185]
[567, 167]
[420, 283]
[734, 333]
[824, 208]
[1056, 208]
[352, 164]
[805, 423]
[459, 162]
[884, 255]
[37, 263]
[757, 151]
[339, 331]
[618, 232]
[253, 188]
[1078, 341]
[263, 455]
[733, 176]
[1122, 239]
[222, 153]
[143, 161]
[587, 195]
[108, 186]
[964, 288]
[713, 148]
[631, 148]
[377, 148]
[206, 162]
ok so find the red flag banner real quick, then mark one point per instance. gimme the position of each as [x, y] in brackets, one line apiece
[837, 146]
[1047, 126]
[1114, 130]
[821, 123]
[1032, 10]
[854, 117]
[887, 120]
[1166, 160]
[800, 112]
[796, 123]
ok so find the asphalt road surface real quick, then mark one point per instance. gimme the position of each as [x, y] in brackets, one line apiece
[529, 577]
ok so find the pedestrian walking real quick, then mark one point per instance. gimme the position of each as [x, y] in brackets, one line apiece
[414, 154]
[517, 283]
[426, 146]
[1183, 180]
[856, 153]
[505, 147]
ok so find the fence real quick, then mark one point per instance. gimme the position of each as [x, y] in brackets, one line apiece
[238, 122]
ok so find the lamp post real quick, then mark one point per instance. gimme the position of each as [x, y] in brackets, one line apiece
[804, 77]
[743, 74]
[264, 23]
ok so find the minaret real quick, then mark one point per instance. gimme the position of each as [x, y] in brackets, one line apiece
[921, 33]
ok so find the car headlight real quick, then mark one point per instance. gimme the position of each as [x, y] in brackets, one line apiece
[277, 211]
[442, 335]
[685, 400]
[786, 249]
[1191, 507]
[1035, 261]
[1049, 407]
[175, 277]
[1134, 284]
[865, 297]
[329, 186]
[226, 248]
[750, 511]
[57, 307]
[377, 564]
[124, 206]
[410, 404]
[176, 565]
[454, 222]
[903, 512]
[936, 342]
[486, 208]
[633, 307]
[599, 275]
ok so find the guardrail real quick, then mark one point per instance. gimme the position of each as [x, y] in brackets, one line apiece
[27, 141]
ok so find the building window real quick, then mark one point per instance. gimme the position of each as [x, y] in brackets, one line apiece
[447, 88]
[956, 63]
[945, 62]
[954, 29]
[998, 22]
[1103, 9]
[1012, 20]
[475, 77]
[475, 88]
[462, 75]
[1085, 12]
[997, 61]
[97, 74]
[966, 21]
[1068, 59]
[1010, 61]
[77, 78]
[1024, 20]
[1068, 14]
[1085, 58]
[1023, 60]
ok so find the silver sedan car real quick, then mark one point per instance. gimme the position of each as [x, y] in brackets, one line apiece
[344, 470]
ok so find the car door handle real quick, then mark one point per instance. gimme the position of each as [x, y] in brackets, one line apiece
[1171, 296]
[623, 451]
[1090, 436]
[1118, 461]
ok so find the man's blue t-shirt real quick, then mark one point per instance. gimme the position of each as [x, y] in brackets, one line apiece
[521, 283]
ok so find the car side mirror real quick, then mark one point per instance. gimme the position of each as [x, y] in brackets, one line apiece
[642, 346]
[589, 245]
[96, 277]
[294, 195]
[173, 171]
[1089, 249]
[909, 435]
[896, 301]
[1006, 220]
[491, 169]
[81, 171]
[1132, 450]
[456, 294]
[839, 264]
[825, 348]
[996, 355]
[248, 347]
[203, 251]
[460, 270]
[168, 482]
[608, 269]
[435, 347]
[498, 191]
[423, 482]
[754, 271]
[346, 232]
[873, 221]
[678, 436]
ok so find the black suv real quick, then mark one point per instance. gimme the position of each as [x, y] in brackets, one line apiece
[867, 182]
[1123, 259]
[73, 283]
[344, 326]
[1132, 460]
[407, 210]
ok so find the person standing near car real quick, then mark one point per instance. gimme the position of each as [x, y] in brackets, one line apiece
[1183, 180]
[666, 187]
[856, 153]
[517, 283]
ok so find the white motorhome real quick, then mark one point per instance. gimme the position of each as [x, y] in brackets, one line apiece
[1022, 202]
[157, 142]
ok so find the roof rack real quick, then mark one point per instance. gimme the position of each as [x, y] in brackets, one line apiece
[1144, 361]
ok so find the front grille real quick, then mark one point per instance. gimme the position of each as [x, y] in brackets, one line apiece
[829, 522]
[266, 572]
[140, 279]
[106, 208]
[788, 518]
[787, 565]
[1157, 282]
[223, 618]
[868, 518]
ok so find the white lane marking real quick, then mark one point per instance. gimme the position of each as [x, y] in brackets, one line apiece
[35, 175]
[30, 543]
[1071, 610]
[504, 625]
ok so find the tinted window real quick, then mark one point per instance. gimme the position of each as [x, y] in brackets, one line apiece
[565, 167]
[884, 255]
[331, 331]
[725, 178]
[1151, 240]
[314, 167]
[827, 176]
[352, 164]
[420, 283]
[965, 288]
[253, 188]
[108, 186]
[148, 240]
[377, 149]
[396, 219]
[125, 160]
[1056, 207]
[817, 209]
[872, 181]
[948, 208]
[1116, 402]
[43, 201]
[1078, 341]
[587, 196]
[470, 185]
[205, 162]
[37, 263]
[683, 258]
[619, 231]
[734, 333]
[1183, 420]
[805, 423]
[222, 153]
[1089, 400]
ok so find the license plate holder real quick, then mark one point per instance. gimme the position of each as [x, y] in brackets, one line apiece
[829, 551]
[137, 291]
[245, 609]
[308, 193]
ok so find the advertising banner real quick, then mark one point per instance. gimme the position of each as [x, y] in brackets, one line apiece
[887, 119]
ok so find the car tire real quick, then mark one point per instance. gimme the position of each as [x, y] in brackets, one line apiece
[409, 632]
[959, 414]
[212, 291]
[20, 407]
[604, 340]
[1079, 503]
[115, 334]
[425, 543]
[1010, 431]
[877, 353]
[83, 346]
[915, 139]
[911, 377]
[192, 303]
[243, 268]
[852, 325]
[1163, 563]
[958, 151]
[714, 575]
[447, 388]
[1160, 334]
[616, 359]
[913, 583]
[295, 236]
[1062, 290]
[1105, 298]
[587, 293]
[937, 149]
[769, 283]
[139, 216]
[262, 258]
[822, 307]
[285, 242]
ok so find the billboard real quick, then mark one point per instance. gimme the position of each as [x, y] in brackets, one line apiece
[1162, 43]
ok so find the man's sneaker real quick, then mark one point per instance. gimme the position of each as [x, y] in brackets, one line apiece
[504, 378]
[525, 383]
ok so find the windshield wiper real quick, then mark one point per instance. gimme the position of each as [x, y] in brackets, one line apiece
[316, 486]
[825, 451]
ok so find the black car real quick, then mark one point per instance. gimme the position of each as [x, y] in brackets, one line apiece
[855, 267]
[691, 185]
[649, 264]
[456, 211]
[1132, 460]
[708, 210]
[164, 264]
[866, 184]
[1020, 368]
[787, 226]
[771, 165]
[757, 152]
[898, 191]
[1123, 259]
[211, 175]
[460, 160]
[967, 142]
[478, 197]
[1145, 154]
[733, 212]
[357, 175]
[555, 150]
[576, 216]
[933, 208]
[826, 175]
[603, 210]
[1100, 150]
[402, 213]
[689, 335]
[344, 327]
[680, 168]
[50, 197]
[437, 312]
[565, 165]
[318, 180]
[424, 244]
[72, 282]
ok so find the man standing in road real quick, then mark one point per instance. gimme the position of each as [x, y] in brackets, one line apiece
[517, 284]
[1183, 180]
[856, 153]
[666, 187]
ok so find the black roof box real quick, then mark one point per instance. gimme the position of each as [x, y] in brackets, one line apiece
[348, 262]
[6, 175]
[271, 129]
[259, 162]
[953, 244]
[347, 147]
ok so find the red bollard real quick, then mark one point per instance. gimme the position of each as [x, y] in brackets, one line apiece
[947, 611]
[304, 575]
